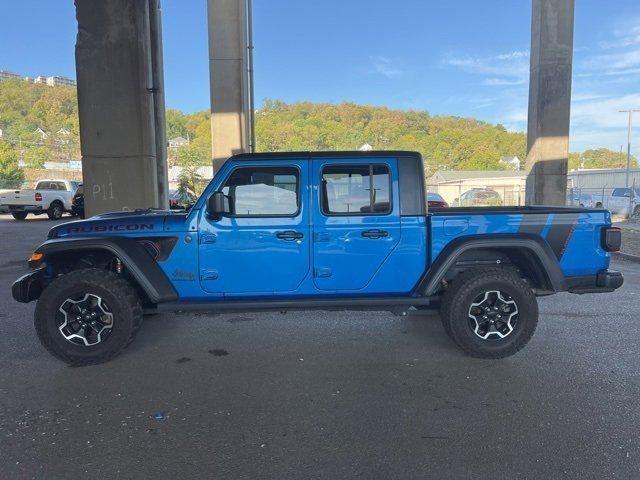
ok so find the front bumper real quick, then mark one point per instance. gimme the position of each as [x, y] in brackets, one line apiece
[28, 287]
[604, 281]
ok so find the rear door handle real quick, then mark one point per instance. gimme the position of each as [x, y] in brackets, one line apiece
[290, 235]
[375, 233]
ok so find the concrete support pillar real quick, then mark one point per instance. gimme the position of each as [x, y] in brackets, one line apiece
[549, 101]
[121, 105]
[230, 78]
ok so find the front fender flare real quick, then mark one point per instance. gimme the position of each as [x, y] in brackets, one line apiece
[144, 269]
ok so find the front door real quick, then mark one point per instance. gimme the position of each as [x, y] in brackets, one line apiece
[356, 221]
[263, 246]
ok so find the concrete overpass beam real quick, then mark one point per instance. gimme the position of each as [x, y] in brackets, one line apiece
[549, 101]
[121, 104]
[230, 78]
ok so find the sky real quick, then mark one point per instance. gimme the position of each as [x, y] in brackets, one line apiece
[466, 58]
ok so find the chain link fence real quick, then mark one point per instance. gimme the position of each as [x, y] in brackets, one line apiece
[620, 201]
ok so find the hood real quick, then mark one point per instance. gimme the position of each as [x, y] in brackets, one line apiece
[139, 222]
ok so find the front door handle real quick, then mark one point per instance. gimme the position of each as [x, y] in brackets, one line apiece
[289, 235]
[375, 233]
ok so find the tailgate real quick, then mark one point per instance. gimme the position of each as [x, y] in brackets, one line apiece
[18, 198]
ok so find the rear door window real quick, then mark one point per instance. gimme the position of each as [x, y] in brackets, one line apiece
[356, 190]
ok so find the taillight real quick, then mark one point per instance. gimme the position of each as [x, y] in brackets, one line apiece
[611, 239]
[38, 197]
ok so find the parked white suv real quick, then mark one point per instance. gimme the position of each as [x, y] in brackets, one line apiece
[50, 196]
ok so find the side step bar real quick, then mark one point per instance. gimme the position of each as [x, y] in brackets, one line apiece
[392, 304]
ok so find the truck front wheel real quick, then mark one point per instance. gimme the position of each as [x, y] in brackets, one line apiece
[19, 215]
[489, 312]
[87, 316]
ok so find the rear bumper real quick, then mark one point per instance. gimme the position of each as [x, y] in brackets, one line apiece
[604, 281]
[28, 287]
[23, 208]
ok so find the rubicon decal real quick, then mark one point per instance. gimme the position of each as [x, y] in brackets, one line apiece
[110, 228]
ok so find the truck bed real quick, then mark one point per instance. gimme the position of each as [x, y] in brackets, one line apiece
[569, 231]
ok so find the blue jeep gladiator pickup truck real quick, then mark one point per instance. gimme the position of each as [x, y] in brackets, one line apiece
[324, 230]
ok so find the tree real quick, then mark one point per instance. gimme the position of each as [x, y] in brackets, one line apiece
[11, 175]
[35, 156]
[192, 156]
[445, 142]
[600, 158]
[190, 181]
[176, 124]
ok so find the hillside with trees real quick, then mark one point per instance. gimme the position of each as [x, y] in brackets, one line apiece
[40, 123]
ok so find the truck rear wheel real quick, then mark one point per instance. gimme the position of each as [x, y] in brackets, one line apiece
[19, 215]
[87, 316]
[489, 312]
[55, 211]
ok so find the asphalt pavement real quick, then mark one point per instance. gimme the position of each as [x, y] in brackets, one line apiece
[323, 395]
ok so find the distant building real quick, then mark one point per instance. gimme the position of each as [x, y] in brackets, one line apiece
[509, 184]
[206, 172]
[62, 136]
[602, 180]
[365, 147]
[53, 81]
[5, 75]
[70, 165]
[178, 142]
[59, 80]
[511, 161]
[41, 133]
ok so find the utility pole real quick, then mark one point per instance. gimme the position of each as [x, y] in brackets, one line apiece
[630, 112]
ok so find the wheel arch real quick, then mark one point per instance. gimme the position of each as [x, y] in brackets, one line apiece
[143, 269]
[531, 254]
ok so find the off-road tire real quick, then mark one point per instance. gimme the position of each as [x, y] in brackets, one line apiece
[636, 212]
[123, 302]
[19, 215]
[457, 301]
[55, 211]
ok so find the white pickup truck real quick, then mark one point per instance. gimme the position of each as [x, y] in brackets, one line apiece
[621, 201]
[50, 196]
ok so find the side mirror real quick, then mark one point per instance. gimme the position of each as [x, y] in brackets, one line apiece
[218, 205]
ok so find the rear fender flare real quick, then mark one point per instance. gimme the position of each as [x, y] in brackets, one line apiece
[144, 269]
[534, 244]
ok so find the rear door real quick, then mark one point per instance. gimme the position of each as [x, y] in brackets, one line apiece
[356, 220]
[263, 247]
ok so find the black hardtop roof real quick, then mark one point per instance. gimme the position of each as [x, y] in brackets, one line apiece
[409, 155]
